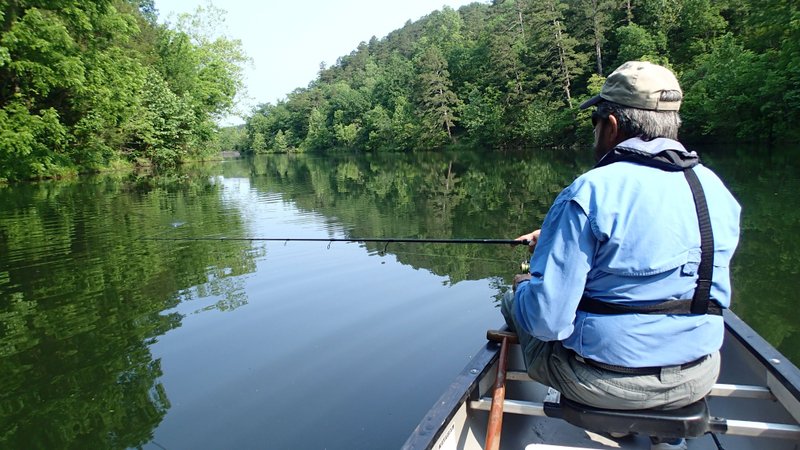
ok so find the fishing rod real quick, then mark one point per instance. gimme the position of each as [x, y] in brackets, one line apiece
[387, 241]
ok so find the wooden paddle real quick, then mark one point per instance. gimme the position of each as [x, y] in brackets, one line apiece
[495, 425]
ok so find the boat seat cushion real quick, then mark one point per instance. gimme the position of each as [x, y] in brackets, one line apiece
[689, 421]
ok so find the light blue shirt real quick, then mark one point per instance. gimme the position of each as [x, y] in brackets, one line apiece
[626, 233]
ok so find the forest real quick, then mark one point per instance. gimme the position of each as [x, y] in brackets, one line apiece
[511, 74]
[92, 86]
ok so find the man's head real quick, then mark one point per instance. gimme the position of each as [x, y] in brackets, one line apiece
[639, 99]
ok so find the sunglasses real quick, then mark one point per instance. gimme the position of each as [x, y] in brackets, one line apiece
[597, 117]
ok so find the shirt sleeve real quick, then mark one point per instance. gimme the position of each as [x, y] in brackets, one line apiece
[545, 306]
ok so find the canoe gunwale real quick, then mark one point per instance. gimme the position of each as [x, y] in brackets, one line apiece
[784, 371]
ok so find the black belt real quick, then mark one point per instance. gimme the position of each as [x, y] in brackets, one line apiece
[653, 370]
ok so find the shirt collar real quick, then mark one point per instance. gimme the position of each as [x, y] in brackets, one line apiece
[655, 146]
[662, 153]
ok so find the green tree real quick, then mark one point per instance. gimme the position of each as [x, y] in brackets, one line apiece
[163, 134]
[698, 25]
[733, 91]
[319, 136]
[378, 126]
[28, 141]
[499, 55]
[596, 20]
[554, 51]
[203, 66]
[636, 44]
[231, 138]
[281, 143]
[259, 144]
[439, 103]
[346, 134]
[102, 78]
[507, 74]
[405, 125]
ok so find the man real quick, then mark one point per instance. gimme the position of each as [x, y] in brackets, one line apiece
[622, 308]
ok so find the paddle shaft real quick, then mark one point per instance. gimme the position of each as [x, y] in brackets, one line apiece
[495, 425]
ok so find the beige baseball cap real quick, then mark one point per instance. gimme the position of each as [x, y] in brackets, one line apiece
[639, 84]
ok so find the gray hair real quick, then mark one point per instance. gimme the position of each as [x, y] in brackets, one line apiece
[643, 123]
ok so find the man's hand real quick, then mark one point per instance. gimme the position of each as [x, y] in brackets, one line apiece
[532, 238]
[519, 278]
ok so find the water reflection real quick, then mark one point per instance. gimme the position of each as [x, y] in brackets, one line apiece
[426, 196]
[111, 340]
[82, 299]
[767, 264]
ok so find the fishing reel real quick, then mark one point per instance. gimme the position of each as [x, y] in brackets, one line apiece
[524, 267]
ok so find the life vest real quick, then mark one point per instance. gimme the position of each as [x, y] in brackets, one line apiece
[701, 302]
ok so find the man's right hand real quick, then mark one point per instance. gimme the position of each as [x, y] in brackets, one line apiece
[532, 238]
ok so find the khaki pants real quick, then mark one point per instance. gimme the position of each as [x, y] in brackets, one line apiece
[553, 365]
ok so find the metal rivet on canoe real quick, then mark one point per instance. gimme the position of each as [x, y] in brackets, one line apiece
[775, 361]
[474, 371]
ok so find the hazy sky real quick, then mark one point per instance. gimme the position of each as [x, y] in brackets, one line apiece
[288, 39]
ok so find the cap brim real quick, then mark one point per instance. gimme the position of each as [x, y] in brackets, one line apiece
[591, 102]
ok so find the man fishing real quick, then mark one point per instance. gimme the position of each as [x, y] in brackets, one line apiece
[630, 270]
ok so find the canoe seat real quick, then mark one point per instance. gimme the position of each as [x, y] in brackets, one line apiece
[688, 421]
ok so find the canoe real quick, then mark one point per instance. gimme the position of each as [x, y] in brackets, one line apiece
[754, 405]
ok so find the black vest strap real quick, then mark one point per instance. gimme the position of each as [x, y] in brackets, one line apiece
[701, 301]
[705, 272]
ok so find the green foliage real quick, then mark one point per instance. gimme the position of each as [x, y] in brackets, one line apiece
[592, 20]
[736, 91]
[508, 74]
[259, 144]
[84, 85]
[44, 57]
[319, 136]
[31, 145]
[378, 128]
[166, 120]
[638, 44]
[483, 114]
[438, 102]
[231, 139]
[553, 52]
[281, 144]
[699, 22]
[100, 82]
[540, 127]
[723, 86]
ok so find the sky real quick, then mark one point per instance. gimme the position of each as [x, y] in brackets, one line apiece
[288, 39]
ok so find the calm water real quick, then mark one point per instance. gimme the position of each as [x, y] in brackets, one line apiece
[110, 339]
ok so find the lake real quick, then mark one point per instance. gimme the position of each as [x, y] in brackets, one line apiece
[118, 330]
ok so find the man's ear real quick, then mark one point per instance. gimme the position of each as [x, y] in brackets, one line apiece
[611, 135]
[612, 130]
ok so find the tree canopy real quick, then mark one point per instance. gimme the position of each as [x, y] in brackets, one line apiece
[88, 85]
[93, 85]
[512, 73]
